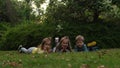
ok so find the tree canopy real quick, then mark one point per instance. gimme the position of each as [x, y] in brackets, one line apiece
[59, 10]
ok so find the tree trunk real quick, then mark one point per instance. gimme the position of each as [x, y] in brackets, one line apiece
[10, 12]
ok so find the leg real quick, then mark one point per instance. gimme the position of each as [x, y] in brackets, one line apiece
[31, 49]
[24, 50]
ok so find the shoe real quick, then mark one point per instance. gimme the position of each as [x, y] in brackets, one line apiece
[20, 51]
[19, 48]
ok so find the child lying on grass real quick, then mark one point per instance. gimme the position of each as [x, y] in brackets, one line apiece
[44, 47]
[64, 45]
[80, 46]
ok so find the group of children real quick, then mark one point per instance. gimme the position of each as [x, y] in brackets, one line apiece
[63, 45]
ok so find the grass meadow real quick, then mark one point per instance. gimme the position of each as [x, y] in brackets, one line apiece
[106, 58]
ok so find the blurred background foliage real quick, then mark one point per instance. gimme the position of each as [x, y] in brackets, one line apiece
[26, 22]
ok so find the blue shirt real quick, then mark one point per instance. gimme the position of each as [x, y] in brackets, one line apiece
[83, 48]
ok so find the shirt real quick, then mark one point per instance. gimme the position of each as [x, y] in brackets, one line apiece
[83, 48]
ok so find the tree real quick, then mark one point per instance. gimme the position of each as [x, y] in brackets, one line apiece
[8, 12]
[15, 11]
[116, 2]
[98, 6]
[77, 10]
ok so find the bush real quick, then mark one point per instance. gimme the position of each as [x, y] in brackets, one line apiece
[30, 34]
[26, 34]
[105, 34]
[3, 27]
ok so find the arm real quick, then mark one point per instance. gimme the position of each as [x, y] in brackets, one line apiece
[75, 49]
[85, 48]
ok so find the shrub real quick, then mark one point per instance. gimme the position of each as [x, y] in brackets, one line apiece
[26, 34]
[105, 34]
[30, 34]
[3, 27]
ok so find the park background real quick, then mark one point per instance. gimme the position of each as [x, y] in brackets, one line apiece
[27, 22]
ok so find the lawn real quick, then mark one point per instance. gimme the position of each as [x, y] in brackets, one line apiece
[110, 58]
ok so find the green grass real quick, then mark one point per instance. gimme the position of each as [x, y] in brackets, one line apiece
[13, 59]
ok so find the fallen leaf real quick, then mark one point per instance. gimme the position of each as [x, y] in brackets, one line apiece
[101, 66]
[84, 66]
[69, 65]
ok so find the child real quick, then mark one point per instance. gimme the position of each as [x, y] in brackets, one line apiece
[64, 45]
[45, 47]
[80, 46]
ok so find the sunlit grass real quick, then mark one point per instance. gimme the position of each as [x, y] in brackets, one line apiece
[108, 58]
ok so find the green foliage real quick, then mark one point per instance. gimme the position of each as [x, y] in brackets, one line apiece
[14, 11]
[106, 35]
[3, 28]
[7, 11]
[76, 11]
[113, 15]
[116, 2]
[30, 34]
[25, 34]
[23, 9]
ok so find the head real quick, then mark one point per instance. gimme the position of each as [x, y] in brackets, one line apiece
[46, 44]
[79, 40]
[65, 42]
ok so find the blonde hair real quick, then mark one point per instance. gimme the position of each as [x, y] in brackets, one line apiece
[79, 37]
[61, 40]
[44, 41]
